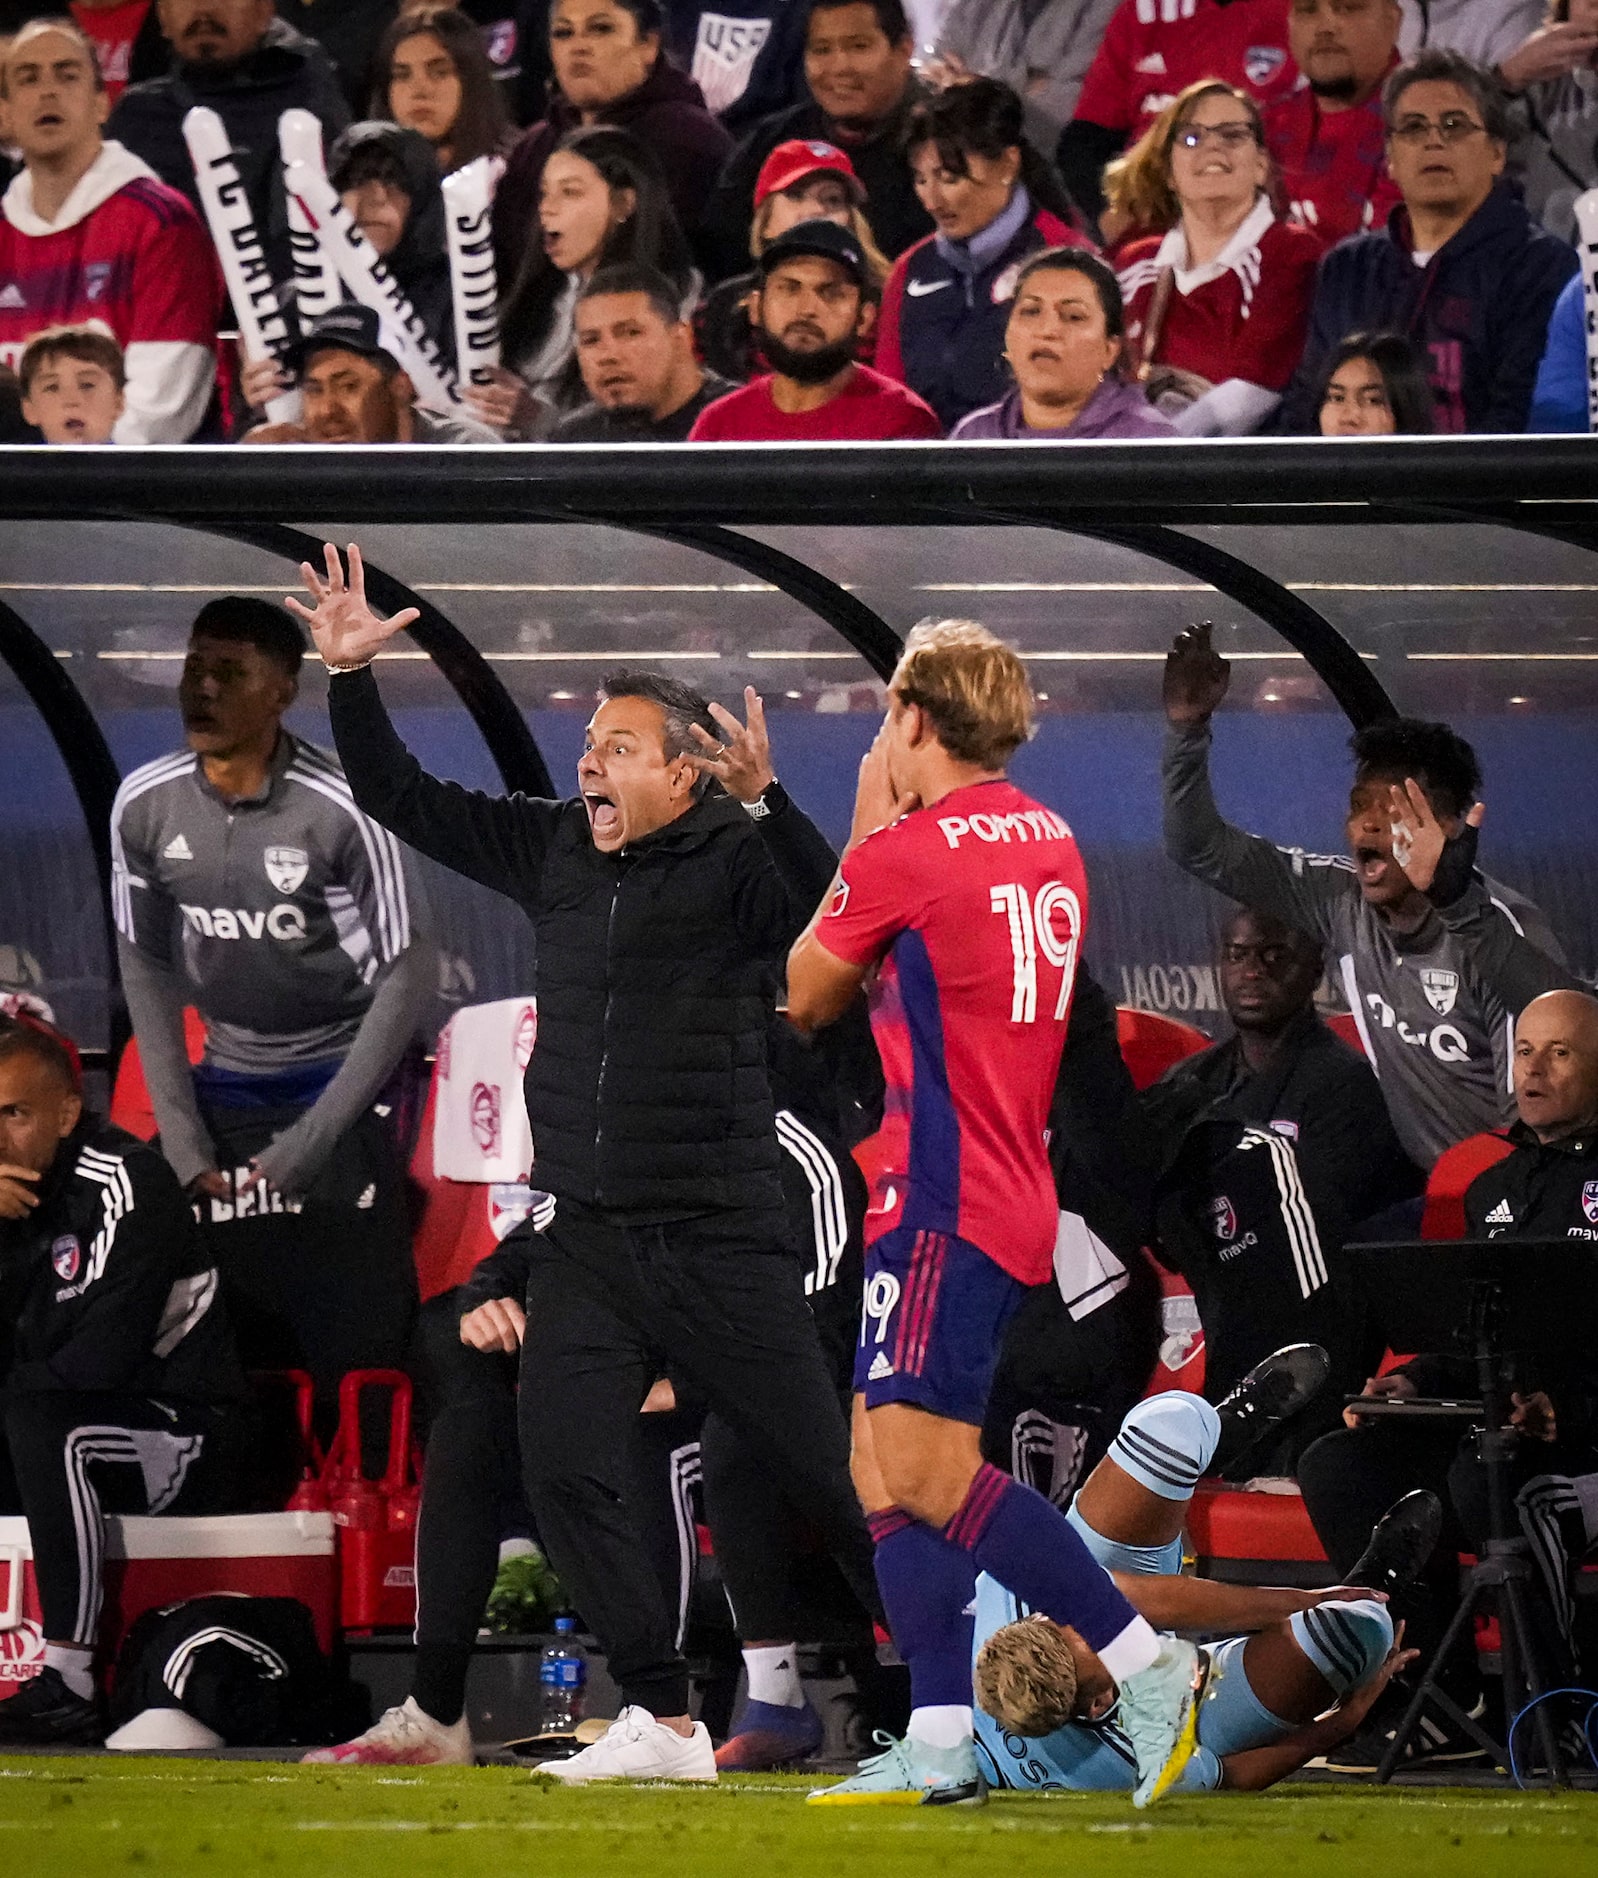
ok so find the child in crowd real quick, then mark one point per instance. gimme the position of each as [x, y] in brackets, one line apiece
[72, 381]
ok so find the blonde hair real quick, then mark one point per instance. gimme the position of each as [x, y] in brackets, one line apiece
[971, 685]
[877, 263]
[1025, 1678]
[1138, 184]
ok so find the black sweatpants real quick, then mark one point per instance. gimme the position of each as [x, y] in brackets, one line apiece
[69, 1459]
[1351, 1477]
[329, 1286]
[611, 1307]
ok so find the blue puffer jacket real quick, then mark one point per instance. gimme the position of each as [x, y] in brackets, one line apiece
[1478, 311]
[946, 304]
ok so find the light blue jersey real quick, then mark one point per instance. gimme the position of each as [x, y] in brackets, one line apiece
[1166, 1442]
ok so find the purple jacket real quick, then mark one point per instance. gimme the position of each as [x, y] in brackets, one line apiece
[1116, 409]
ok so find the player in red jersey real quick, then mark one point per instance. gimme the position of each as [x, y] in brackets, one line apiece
[978, 893]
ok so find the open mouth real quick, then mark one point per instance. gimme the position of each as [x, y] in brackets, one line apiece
[1371, 865]
[1043, 355]
[604, 818]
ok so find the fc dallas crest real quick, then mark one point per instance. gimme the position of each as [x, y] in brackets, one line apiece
[1589, 1201]
[66, 1256]
[1223, 1219]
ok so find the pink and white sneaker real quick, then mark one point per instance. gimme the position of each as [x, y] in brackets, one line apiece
[401, 1737]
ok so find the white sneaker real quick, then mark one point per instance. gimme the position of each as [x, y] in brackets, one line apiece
[637, 1747]
[401, 1737]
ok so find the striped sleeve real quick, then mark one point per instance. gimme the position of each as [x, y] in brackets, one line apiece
[141, 906]
[371, 863]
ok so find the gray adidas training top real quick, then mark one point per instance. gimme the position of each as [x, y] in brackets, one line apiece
[1436, 1008]
[292, 923]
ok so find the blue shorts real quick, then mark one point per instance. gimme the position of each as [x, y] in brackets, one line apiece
[933, 1324]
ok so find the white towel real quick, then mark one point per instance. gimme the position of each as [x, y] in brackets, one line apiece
[480, 1130]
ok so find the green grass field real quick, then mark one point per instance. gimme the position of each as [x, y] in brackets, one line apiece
[71, 1818]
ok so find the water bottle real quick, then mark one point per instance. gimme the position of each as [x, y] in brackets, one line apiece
[562, 1677]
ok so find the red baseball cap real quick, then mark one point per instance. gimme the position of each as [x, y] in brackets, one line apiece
[802, 157]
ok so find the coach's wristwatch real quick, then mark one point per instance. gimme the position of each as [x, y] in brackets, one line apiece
[773, 796]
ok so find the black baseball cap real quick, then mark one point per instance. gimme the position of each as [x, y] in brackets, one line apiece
[826, 239]
[348, 328]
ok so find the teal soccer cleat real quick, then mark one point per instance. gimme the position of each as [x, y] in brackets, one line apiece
[909, 1773]
[1159, 1710]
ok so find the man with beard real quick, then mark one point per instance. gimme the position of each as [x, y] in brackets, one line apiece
[353, 391]
[812, 308]
[636, 354]
[1327, 138]
[250, 67]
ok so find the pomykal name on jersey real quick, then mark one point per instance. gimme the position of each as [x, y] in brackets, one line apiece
[1445, 1041]
[236, 922]
[1025, 825]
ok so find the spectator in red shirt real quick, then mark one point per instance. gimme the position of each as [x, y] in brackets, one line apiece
[813, 306]
[1155, 49]
[1217, 307]
[127, 40]
[88, 233]
[1327, 139]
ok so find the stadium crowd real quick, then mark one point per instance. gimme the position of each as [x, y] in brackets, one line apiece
[1341, 217]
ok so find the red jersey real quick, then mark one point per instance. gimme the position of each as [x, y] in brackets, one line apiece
[112, 31]
[982, 902]
[128, 251]
[871, 408]
[1154, 49]
[1242, 315]
[1333, 165]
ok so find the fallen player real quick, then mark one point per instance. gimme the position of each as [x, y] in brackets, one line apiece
[1296, 1673]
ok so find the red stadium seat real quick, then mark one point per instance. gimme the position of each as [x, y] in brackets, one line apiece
[1235, 1533]
[1456, 1168]
[1346, 1026]
[1151, 1044]
[130, 1099]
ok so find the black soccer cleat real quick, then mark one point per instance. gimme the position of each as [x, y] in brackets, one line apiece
[1401, 1542]
[45, 1713]
[1276, 1387]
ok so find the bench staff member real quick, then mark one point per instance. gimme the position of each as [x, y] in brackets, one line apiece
[120, 1374]
[247, 883]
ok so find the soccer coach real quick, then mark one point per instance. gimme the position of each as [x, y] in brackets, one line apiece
[664, 909]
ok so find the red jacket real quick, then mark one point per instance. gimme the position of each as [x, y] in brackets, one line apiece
[1156, 48]
[1242, 316]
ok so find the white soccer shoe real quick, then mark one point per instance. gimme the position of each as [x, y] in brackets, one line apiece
[401, 1737]
[637, 1747]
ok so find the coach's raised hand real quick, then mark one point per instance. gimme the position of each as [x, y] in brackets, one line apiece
[347, 633]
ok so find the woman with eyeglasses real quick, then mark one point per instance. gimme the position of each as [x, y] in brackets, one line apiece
[1216, 307]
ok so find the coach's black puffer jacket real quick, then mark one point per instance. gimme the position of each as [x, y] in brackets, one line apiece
[648, 1092]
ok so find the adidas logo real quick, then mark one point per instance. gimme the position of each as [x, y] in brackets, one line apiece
[368, 1197]
[1153, 66]
[11, 297]
[1500, 1215]
[177, 849]
[880, 1367]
